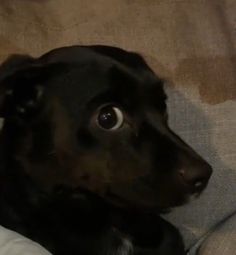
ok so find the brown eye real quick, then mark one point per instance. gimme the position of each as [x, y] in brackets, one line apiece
[110, 118]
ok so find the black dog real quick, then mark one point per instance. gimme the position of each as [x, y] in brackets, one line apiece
[88, 161]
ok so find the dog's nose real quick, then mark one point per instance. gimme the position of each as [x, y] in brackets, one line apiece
[196, 175]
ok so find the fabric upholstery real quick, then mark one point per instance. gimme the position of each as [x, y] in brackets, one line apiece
[221, 240]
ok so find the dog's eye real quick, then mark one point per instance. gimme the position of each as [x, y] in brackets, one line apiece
[110, 118]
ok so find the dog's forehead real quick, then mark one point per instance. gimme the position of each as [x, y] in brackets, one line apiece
[89, 75]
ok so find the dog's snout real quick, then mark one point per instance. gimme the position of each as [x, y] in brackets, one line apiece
[196, 175]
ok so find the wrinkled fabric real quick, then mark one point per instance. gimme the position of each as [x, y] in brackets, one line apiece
[12, 243]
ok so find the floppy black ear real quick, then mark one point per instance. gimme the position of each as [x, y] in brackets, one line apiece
[20, 87]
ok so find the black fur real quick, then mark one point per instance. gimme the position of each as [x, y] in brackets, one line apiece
[77, 188]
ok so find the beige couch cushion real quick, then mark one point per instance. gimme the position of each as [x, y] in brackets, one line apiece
[221, 240]
[189, 42]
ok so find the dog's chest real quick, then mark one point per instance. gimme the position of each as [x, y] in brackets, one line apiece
[119, 244]
[126, 248]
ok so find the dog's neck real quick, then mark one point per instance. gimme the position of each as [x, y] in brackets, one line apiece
[119, 244]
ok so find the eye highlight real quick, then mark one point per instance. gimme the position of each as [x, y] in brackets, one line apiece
[110, 118]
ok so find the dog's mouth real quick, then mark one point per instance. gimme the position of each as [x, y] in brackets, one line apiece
[140, 195]
[115, 201]
[129, 204]
[156, 203]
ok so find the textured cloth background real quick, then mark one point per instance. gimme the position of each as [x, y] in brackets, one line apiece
[222, 240]
[189, 42]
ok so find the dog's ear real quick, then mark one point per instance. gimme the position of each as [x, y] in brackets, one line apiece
[20, 86]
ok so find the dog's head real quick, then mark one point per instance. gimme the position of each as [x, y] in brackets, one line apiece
[95, 118]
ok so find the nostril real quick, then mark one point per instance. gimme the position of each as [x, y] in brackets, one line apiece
[193, 178]
[198, 184]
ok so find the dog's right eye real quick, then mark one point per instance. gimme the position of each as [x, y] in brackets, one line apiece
[110, 118]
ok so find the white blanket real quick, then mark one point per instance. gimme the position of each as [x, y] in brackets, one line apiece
[12, 243]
